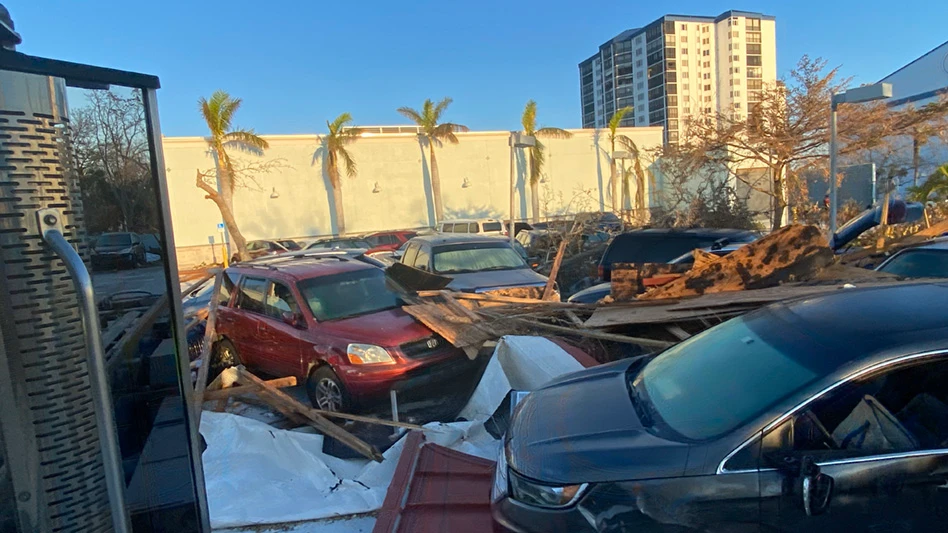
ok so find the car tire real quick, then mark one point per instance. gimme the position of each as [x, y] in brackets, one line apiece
[326, 391]
[223, 356]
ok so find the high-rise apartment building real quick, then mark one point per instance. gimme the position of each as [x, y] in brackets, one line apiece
[679, 67]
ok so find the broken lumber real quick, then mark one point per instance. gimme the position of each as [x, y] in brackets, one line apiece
[789, 254]
[590, 333]
[628, 278]
[551, 281]
[226, 391]
[296, 411]
[209, 337]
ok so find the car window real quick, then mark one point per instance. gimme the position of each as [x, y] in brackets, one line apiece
[251, 295]
[447, 228]
[653, 248]
[348, 294]
[408, 257]
[227, 287]
[491, 226]
[422, 259]
[723, 378]
[918, 264]
[280, 300]
[900, 409]
[150, 241]
[476, 258]
[114, 239]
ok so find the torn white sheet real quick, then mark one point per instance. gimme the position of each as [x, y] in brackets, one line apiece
[257, 474]
[519, 363]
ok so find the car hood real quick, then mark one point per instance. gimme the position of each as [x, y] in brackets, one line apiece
[496, 279]
[592, 294]
[111, 249]
[583, 428]
[388, 328]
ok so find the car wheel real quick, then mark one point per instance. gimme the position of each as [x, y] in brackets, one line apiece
[326, 391]
[223, 356]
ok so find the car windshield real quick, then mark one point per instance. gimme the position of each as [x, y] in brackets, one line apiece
[348, 294]
[460, 258]
[918, 264]
[491, 226]
[115, 239]
[715, 382]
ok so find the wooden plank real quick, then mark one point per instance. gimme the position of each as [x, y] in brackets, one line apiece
[590, 333]
[507, 299]
[210, 335]
[226, 391]
[294, 410]
[571, 315]
[548, 290]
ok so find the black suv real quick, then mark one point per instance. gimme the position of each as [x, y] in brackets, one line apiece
[118, 249]
[654, 245]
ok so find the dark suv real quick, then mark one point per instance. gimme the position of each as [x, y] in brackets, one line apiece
[330, 321]
[118, 249]
[654, 245]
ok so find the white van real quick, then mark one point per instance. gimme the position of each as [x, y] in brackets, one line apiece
[485, 226]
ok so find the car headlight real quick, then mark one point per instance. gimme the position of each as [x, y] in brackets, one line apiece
[499, 490]
[367, 354]
[540, 495]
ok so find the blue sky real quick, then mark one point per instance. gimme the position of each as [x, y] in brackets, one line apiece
[297, 63]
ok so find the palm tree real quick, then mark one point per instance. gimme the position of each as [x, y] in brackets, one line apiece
[333, 150]
[434, 132]
[623, 141]
[218, 113]
[536, 156]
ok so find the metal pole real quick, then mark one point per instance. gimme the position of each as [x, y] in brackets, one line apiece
[832, 176]
[513, 186]
[102, 397]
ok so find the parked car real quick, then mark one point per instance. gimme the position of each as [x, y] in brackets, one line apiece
[656, 245]
[152, 244]
[388, 240]
[608, 222]
[486, 226]
[475, 264]
[339, 243]
[331, 322]
[118, 249]
[827, 413]
[518, 227]
[289, 244]
[601, 290]
[929, 260]
[261, 248]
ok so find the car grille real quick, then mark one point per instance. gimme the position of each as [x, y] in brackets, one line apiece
[424, 347]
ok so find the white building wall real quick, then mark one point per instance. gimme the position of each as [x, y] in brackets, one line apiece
[576, 175]
[920, 81]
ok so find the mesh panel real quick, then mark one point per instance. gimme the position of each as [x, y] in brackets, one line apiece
[43, 337]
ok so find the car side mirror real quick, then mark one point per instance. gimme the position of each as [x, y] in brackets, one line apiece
[293, 319]
[817, 487]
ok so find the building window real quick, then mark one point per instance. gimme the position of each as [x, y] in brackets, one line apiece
[753, 49]
[706, 52]
[684, 63]
[670, 65]
[707, 75]
[684, 38]
[753, 72]
[684, 75]
[672, 100]
[752, 37]
[684, 51]
[737, 70]
[707, 110]
[735, 33]
[707, 87]
[684, 27]
[640, 97]
[737, 106]
[705, 41]
[704, 28]
[737, 58]
[707, 99]
[755, 84]
[753, 61]
[752, 25]
[707, 64]
[640, 86]
[737, 81]
[638, 51]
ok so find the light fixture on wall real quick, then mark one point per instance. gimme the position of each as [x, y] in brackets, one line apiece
[274, 194]
[466, 183]
[377, 189]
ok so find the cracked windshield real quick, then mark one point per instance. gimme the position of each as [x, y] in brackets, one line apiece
[385, 267]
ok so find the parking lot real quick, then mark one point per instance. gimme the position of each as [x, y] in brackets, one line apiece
[109, 282]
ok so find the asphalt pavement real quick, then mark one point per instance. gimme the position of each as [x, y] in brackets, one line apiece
[109, 282]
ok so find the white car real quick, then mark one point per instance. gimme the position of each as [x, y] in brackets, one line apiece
[484, 226]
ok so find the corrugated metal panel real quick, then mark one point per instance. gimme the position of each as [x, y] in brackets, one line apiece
[437, 489]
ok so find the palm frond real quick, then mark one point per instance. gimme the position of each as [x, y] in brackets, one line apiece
[228, 108]
[627, 144]
[440, 108]
[411, 115]
[350, 163]
[210, 117]
[617, 118]
[341, 121]
[553, 133]
[529, 118]
[245, 141]
[445, 132]
[537, 158]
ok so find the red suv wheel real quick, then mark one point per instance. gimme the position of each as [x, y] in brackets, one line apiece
[326, 391]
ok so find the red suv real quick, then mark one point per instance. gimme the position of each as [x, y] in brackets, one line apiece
[329, 320]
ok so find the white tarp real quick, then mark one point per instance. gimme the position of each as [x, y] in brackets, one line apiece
[519, 363]
[257, 474]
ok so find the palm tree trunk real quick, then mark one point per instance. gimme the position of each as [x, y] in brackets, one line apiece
[435, 183]
[226, 206]
[535, 199]
[615, 185]
[916, 150]
[340, 211]
[779, 203]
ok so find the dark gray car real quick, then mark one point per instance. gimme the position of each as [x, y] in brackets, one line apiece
[929, 260]
[118, 249]
[474, 264]
[824, 414]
